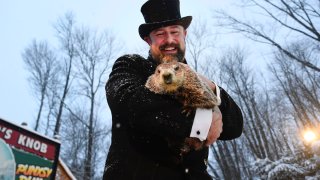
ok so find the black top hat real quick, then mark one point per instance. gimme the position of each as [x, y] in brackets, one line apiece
[161, 13]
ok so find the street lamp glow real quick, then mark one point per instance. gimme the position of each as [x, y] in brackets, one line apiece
[309, 136]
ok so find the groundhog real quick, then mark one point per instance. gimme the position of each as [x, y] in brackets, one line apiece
[180, 80]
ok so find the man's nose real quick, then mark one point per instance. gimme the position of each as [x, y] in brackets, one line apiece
[170, 38]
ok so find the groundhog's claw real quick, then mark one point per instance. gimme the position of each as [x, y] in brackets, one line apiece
[187, 111]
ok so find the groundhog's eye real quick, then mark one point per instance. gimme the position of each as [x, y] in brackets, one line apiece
[158, 71]
[176, 68]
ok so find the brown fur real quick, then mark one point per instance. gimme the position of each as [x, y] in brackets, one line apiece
[180, 80]
[184, 83]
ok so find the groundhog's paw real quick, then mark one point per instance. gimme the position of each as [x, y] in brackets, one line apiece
[191, 143]
[187, 110]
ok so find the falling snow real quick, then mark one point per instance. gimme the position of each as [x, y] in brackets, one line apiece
[186, 170]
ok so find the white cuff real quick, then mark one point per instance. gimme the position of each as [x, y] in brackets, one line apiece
[201, 124]
[217, 93]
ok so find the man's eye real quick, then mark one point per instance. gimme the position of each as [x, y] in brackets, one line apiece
[175, 32]
[159, 34]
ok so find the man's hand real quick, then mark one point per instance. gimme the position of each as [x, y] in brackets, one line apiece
[213, 134]
[215, 128]
[216, 123]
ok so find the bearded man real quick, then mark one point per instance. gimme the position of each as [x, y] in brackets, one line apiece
[143, 122]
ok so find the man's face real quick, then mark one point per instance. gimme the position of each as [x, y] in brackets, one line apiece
[167, 43]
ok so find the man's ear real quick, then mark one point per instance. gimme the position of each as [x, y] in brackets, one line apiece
[148, 40]
[185, 35]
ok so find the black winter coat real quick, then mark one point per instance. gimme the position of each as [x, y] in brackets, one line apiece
[143, 122]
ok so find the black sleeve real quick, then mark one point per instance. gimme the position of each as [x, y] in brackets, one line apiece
[159, 114]
[231, 117]
[156, 114]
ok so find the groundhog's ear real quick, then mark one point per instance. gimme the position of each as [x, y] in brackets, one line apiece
[183, 65]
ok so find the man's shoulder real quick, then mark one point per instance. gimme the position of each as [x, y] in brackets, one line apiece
[133, 60]
[131, 57]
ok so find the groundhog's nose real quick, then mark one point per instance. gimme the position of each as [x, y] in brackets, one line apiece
[167, 78]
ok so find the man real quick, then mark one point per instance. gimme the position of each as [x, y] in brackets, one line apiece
[145, 123]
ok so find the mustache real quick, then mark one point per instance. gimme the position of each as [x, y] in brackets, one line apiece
[162, 47]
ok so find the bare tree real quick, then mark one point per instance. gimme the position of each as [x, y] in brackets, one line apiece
[65, 34]
[94, 51]
[199, 42]
[262, 137]
[69, 86]
[41, 62]
[241, 81]
[74, 140]
[299, 84]
[273, 111]
[299, 18]
[51, 107]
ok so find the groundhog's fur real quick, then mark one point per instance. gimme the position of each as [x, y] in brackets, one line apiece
[181, 81]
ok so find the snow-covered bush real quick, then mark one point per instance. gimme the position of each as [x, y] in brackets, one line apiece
[292, 167]
[316, 148]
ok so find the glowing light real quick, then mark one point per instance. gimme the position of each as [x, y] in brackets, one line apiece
[309, 136]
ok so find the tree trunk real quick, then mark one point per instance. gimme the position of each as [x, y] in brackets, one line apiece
[64, 95]
[39, 112]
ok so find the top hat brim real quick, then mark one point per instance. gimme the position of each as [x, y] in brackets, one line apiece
[145, 29]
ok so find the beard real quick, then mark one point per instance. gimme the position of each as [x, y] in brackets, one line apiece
[163, 58]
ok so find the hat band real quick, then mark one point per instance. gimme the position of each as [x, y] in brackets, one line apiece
[160, 16]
